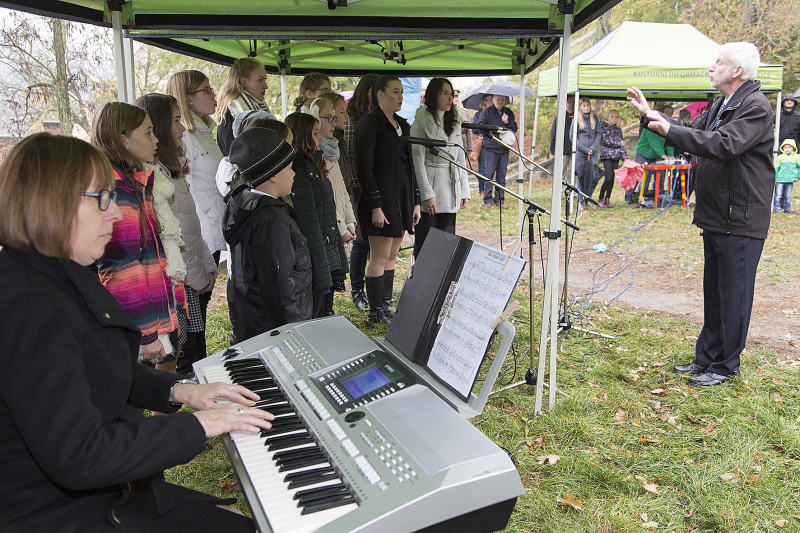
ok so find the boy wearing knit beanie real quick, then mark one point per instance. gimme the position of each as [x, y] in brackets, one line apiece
[272, 263]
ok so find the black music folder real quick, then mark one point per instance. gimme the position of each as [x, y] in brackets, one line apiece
[455, 292]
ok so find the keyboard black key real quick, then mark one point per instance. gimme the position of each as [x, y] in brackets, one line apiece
[328, 503]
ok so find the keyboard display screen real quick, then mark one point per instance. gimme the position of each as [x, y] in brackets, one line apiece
[365, 382]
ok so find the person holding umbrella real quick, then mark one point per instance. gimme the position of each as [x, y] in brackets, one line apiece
[496, 162]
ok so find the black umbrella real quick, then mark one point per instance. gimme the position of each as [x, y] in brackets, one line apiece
[509, 89]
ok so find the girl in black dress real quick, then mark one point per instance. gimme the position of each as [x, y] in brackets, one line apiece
[390, 203]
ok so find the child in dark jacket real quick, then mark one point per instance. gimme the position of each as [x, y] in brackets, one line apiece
[612, 150]
[316, 210]
[272, 262]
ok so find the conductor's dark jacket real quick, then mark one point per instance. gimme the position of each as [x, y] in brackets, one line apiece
[735, 174]
[271, 264]
[71, 433]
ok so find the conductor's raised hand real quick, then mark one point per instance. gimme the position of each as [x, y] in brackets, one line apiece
[638, 101]
[215, 422]
[378, 218]
[201, 397]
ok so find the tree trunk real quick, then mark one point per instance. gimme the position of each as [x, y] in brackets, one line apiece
[61, 82]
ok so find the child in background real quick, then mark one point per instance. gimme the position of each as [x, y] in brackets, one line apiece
[612, 150]
[787, 171]
[243, 90]
[272, 263]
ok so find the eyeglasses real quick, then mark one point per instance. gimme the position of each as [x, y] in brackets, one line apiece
[104, 197]
[208, 90]
[330, 118]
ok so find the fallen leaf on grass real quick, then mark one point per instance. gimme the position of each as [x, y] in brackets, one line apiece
[731, 477]
[658, 392]
[781, 523]
[569, 500]
[621, 415]
[649, 440]
[547, 459]
[651, 487]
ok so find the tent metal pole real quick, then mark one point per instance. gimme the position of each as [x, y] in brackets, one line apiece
[550, 306]
[284, 101]
[130, 75]
[119, 55]
[520, 174]
[533, 144]
[777, 149]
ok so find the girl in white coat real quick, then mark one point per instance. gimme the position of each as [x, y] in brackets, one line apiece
[196, 101]
[443, 187]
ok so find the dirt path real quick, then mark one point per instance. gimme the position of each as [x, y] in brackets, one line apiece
[661, 287]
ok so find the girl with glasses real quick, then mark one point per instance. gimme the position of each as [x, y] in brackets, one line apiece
[244, 89]
[134, 265]
[192, 90]
[315, 207]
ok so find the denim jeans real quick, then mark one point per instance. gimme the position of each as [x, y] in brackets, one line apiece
[783, 197]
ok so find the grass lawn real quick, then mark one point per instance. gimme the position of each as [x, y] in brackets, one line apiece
[632, 447]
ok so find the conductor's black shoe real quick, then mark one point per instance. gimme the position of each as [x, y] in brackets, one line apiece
[691, 368]
[707, 379]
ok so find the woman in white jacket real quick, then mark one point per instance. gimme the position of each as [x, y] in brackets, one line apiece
[196, 101]
[443, 187]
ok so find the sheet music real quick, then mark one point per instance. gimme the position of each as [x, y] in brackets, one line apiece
[484, 288]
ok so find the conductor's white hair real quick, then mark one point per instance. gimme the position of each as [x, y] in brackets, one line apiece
[743, 55]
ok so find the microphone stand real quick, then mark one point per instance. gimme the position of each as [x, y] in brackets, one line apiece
[531, 212]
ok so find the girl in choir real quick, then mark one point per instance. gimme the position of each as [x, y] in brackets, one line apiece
[134, 263]
[390, 198]
[443, 187]
[312, 86]
[358, 106]
[195, 98]
[244, 89]
[315, 207]
[200, 268]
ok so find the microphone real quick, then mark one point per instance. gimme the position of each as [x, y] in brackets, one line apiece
[485, 127]
[430, 143]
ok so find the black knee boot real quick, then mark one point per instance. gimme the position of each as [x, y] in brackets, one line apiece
[358, 264]
[375, 295]
[388, 286]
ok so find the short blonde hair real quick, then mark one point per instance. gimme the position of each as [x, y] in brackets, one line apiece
[41, 181]
[180, 85]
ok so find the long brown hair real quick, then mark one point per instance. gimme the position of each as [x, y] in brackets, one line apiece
[161, 108]
[432, 92]
[361, 103]
[41, 181]
[111, 122]
[233, 86]
[302, 126]
[579, 115]
[179, 86]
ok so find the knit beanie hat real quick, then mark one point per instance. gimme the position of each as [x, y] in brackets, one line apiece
[259, 154]
[245, 118]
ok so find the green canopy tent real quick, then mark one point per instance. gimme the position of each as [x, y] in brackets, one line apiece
[345, 37]
[665, 61]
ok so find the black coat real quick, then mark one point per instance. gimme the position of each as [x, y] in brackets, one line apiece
[735, 174]
[71, 433]
[316, 214]
[378, 153]
[271, 264]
